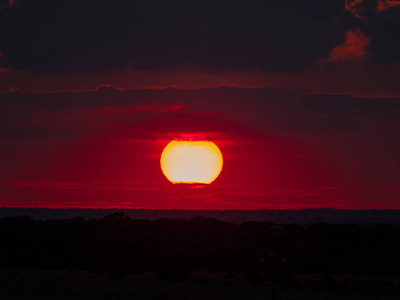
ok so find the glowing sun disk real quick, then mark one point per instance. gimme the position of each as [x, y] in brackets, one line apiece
[191, 161]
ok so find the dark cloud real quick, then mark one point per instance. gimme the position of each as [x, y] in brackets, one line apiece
[380, 21]
[50, 36]
[90, 36]
[385, 31]
[309, 123]
[349, 21]
[147, 113]
[4, 3]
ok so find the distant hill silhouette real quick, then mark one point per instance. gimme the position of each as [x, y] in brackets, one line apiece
[302, 217]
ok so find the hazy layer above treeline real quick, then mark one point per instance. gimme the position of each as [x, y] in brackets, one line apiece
[302, 217]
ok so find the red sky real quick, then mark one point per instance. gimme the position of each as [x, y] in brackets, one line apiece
[303, 101]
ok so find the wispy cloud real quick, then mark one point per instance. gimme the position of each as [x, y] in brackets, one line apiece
[122, 185]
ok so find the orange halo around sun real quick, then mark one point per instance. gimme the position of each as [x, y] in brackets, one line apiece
[191, 162]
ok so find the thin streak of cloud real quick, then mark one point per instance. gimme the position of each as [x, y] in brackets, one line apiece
[110, 87]
[123, 111]
[395, 190]
[123, 185]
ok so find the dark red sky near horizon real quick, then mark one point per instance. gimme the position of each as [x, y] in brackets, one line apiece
[302, 99]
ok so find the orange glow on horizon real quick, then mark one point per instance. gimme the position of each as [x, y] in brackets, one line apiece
[191, 162]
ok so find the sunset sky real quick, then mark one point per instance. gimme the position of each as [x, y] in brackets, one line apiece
[301, 97]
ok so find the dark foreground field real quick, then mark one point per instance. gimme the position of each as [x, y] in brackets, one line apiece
[121, 258]
[51, 284]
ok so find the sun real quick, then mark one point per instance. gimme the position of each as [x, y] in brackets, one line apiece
[191, 162]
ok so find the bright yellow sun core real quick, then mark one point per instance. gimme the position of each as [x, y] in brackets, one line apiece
[191, 161]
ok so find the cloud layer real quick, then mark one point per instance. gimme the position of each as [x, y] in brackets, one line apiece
[263, 111]
[93, 36]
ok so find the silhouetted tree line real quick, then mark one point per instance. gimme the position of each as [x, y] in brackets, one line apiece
[118, 243]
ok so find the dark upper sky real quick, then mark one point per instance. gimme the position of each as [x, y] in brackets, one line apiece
[212, 36]
[50, 36]
[302, 97]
